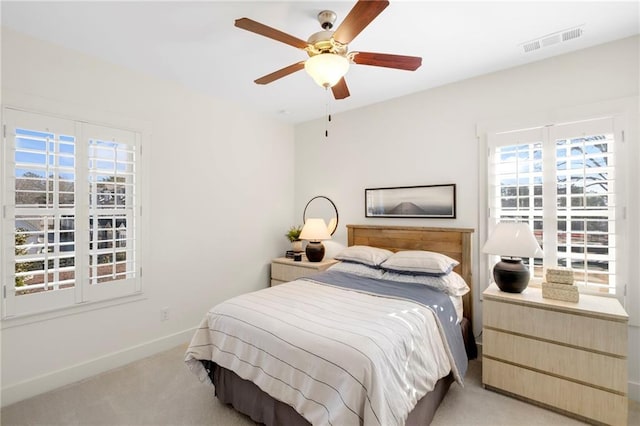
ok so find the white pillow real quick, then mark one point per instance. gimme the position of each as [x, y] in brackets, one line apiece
[358, 269]
[366, 255]
[451, 284]
[420, 262]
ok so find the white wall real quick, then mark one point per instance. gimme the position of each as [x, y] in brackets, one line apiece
[431, 138]
[220, 198]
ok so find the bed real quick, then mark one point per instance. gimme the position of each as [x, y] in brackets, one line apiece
[299, 362]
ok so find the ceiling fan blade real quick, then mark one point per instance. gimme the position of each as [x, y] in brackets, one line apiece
[272, 33]
[340, 89]
[358, 18]
[283, 72]
[409, 63]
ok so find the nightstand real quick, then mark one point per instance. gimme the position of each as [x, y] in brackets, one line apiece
[284, 270]
[570, 357]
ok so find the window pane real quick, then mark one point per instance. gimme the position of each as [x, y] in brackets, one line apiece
[111, 182]
[110, 248]
[44, 253]
[40, 159]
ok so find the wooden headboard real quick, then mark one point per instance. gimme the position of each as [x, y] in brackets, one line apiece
[453, 242]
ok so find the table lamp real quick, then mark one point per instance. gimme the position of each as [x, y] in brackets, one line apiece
[314, 231]
[512, 241]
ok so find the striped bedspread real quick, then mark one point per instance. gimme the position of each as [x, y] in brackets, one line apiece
[338, 356]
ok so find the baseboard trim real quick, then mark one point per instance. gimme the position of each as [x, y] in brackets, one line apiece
[55, 379]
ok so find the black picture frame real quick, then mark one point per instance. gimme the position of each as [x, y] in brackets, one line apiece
[425, 201]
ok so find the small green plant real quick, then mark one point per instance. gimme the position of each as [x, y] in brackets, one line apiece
[294, 233]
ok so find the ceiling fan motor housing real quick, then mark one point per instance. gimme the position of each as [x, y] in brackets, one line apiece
[326, 19]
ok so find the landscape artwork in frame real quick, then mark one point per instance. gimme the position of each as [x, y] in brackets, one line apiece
[431, 201]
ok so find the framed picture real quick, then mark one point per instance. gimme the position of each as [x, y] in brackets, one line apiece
[431, 201]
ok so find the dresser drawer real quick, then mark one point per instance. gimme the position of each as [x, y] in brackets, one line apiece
[587, 332]
[575, 398]
[575, 364]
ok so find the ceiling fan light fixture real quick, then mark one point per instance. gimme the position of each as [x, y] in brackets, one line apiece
[327, 69]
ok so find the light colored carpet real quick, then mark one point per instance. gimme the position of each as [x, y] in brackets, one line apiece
[160, 390]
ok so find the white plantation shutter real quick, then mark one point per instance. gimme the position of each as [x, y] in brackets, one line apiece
[561, 180]
[70, 222]
[112, 202]
[39, 175]
[586, 208]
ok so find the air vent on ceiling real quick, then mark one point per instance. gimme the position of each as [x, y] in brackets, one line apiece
[551, 39]
[529, 47]
[571, 34]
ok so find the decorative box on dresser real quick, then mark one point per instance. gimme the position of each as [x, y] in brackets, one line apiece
[571, 357]
[284, 269]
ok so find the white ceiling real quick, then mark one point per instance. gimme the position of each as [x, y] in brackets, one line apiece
[197, 44]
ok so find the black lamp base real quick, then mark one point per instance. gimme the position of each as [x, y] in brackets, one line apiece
[511, 275]
[314, 251]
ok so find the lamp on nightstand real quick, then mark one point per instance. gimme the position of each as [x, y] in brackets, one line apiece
[512, 241]
[314, 231]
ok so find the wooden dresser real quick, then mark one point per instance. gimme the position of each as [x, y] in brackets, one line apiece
[284, 270]
[571, 357]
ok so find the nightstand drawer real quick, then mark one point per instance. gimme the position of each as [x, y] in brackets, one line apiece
[284, 270]
[562, 361]
[576, 330]
[584, 401]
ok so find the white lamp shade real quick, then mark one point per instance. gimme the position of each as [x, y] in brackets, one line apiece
[327, 69]
[315, 229]
[513, 239]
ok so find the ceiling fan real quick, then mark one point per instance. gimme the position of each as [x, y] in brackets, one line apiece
[329, 58]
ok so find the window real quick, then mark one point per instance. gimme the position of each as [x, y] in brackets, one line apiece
[562, 180]
[71, 208]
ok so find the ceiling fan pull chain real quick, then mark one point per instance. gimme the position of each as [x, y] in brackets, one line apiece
[326, 108]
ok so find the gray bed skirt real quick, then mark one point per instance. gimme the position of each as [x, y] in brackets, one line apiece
[244, 396]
